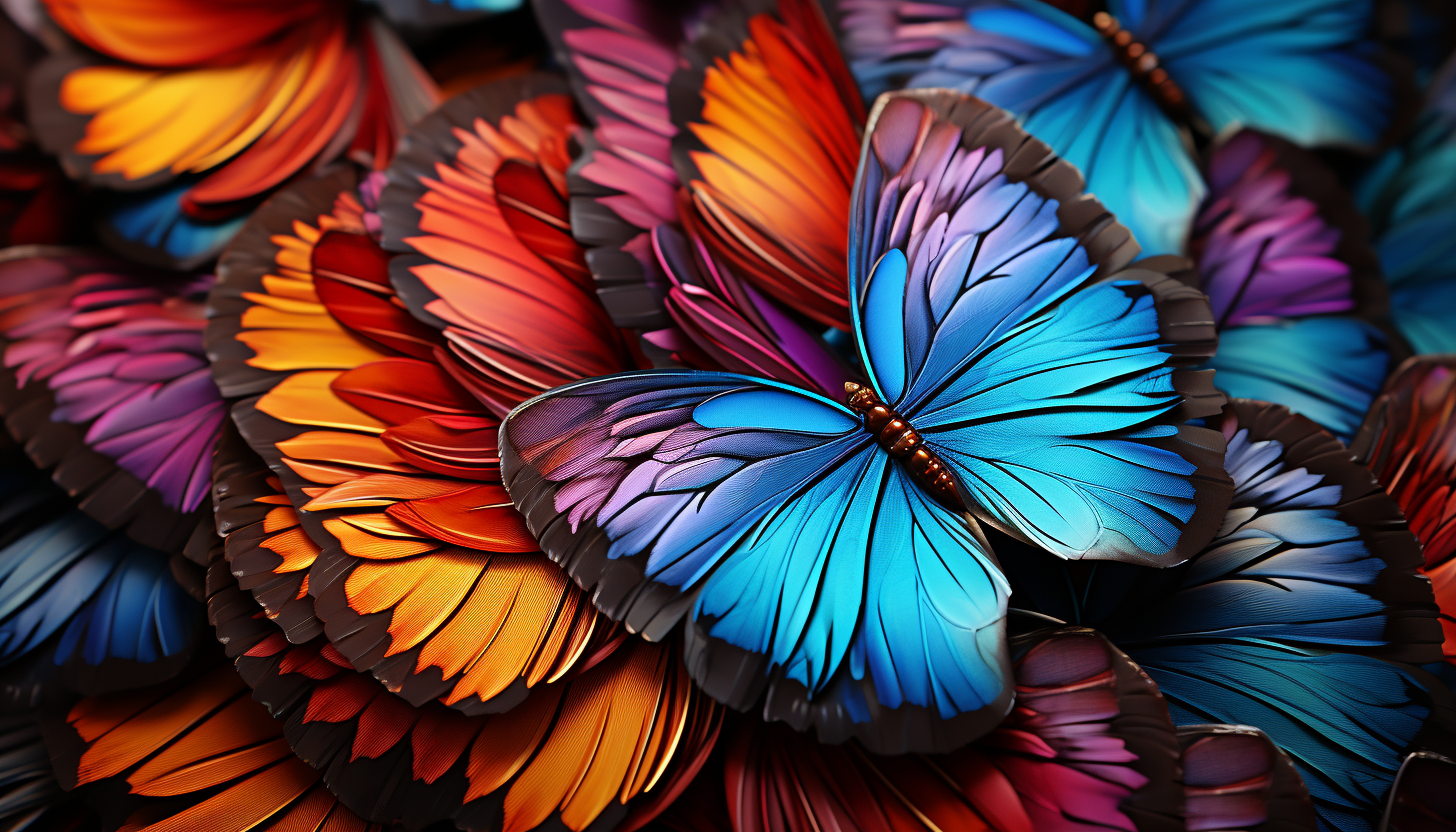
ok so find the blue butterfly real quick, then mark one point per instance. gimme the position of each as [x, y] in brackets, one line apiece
[1298, 618]
[823, 551]
[1102, 97]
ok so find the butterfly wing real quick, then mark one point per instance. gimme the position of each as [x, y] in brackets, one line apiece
[267, 551]
[419, 572]
[621, 57]
[1279, 241]
[1326, 368]
[106, 381]
[1279, 237]
[1057, 75]
[1235, 777]
[1295, 619]
[87, 608]
[416, 765]
[154, 227]
[1089, 746]
[722, 497]
[268, 89]
[1411, 223]
[198, 755]
[1304, 70]
[1407, 441]
[990, 314]
[475, 197]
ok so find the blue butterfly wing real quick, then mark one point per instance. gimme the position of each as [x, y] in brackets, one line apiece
[1406, 197]
[104, 610]
[1328, 369]
[151, 227]
[1057, 75]
[1301, 69]
[1297, 619]
[1054, 395]
[810, 567]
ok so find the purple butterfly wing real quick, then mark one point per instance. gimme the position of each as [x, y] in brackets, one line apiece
[1295, 287]
[107, 382]
[621, 55]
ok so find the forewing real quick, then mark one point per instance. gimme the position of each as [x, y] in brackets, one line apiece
[106, 382]
[1058, 76]
[723, 497]
[993, 317]
[768, 123]
[477, 195]
[1304, 70]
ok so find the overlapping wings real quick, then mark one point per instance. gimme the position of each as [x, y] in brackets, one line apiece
[1304, 617]
[420, 573]
[197, 755]
[235, 98]
[1088, 746]
[1295, 288]
[1407, 441]
[106, 381]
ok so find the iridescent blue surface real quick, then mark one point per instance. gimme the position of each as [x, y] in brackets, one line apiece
[1301, 69]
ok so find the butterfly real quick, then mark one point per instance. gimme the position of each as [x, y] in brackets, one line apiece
[823, 551]
[1112, 97]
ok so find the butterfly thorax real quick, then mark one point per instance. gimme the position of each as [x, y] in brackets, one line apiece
[903, 443]
[1143, 64]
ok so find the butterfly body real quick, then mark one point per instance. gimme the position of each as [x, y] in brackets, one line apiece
[1143, 64]
[904, 443]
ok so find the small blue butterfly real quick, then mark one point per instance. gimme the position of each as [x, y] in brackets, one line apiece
[823, 551]
[1111, 98]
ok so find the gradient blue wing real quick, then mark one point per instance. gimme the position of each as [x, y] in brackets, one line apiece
[1328, 369]
[1301, 69]
[1297, 619]
[1406, 198]
[810, 567]
[1053, 393]
[104, 610]
[1056, 74]
[153, 228]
